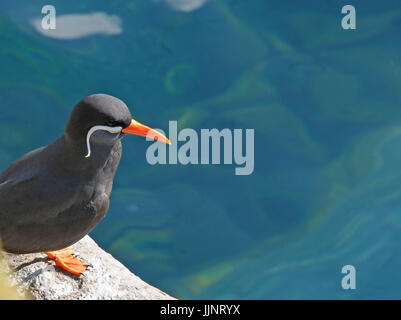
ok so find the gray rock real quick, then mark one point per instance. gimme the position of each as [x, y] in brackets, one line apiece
[106, 279]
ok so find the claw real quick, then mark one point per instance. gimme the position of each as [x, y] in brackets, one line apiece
[64, 259]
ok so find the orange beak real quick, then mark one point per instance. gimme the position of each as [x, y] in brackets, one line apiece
[140, 129]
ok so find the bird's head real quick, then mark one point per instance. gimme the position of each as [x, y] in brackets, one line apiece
[104, 119]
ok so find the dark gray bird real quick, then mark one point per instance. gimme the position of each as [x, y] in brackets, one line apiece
[53, 196]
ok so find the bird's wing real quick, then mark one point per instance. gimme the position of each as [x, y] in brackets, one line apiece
[29, 193]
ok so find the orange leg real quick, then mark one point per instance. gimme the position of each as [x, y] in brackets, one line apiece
[65, 260]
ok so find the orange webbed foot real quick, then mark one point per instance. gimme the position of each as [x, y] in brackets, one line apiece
[65, 260]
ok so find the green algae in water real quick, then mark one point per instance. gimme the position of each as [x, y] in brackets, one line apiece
[269, 120]
[344, 96]
[179, 79]
[329, 34]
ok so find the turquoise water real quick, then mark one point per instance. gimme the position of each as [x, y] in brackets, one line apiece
[325, 106]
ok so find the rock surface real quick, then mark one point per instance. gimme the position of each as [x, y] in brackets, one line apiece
[107, 278]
